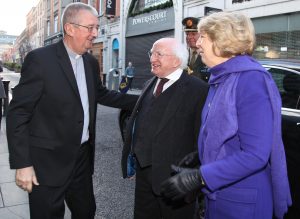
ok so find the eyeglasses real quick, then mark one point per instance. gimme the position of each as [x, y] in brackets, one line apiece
[157, 54]
[89, 28]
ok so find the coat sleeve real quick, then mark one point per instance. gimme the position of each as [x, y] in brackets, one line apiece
[249, 151]
[21, 108]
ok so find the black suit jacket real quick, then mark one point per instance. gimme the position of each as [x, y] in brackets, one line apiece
[199, 69]
[45, 116]
[177, 133]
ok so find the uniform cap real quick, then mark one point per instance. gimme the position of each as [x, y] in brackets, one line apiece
[190, 24]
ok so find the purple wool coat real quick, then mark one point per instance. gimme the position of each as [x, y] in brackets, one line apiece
[240, 145]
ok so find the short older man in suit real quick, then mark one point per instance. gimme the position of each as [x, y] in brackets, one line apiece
[163, 128]
[51, 120]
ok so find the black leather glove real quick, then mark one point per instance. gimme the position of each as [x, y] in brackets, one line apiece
[190, 160]
[183, 184]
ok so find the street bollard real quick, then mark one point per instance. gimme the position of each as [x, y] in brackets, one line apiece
[5, 104]
[113, 80]
[116, 80]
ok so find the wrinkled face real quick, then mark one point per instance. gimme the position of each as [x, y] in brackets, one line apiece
[191, 39]
[163, 60]
[205, 49]
[82, 33]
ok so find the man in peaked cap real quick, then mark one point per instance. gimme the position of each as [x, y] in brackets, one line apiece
[195, 65]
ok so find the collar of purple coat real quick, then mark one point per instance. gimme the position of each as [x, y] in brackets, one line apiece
[228, 120]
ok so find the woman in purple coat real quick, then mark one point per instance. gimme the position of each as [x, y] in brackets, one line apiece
[243, 167]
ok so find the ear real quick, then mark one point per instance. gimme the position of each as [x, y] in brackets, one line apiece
[69, 29]
[176, 62]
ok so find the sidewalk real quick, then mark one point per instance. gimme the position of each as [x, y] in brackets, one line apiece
[13, 200]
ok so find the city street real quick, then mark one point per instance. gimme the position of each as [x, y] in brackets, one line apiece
[11, 76]
[114, 195]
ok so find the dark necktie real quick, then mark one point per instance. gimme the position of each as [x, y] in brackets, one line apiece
[193, 59]
[160, 86]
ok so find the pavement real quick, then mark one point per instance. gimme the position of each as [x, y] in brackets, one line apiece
[13, 200]
[114, 195]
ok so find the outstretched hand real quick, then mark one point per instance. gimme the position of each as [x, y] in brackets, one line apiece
[184, 183]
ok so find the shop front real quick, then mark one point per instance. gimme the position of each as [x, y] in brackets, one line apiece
[141, 32]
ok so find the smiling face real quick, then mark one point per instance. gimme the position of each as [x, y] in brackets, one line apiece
[79, 38]
[163, 59]
[191, 38]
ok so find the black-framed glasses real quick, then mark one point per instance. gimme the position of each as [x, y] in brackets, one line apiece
[89, 28]
[158, 54]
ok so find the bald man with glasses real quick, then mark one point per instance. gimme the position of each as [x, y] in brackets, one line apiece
[51, 120]
[163, 128]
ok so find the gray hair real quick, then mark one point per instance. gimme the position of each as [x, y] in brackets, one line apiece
[182, 53]
[70, 13]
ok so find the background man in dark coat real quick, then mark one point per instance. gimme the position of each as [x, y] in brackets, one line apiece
[51, 120]
[165, 128]
[195, 65]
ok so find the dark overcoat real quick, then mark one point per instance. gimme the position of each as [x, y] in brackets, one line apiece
[45, 117]
[177, 132]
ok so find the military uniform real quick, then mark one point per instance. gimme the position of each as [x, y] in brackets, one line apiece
[195, 65]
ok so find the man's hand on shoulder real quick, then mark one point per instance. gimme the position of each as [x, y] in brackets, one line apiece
[25, 177]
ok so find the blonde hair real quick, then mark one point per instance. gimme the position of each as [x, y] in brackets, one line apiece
[231, 32]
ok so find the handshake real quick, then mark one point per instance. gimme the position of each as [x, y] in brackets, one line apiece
[187, 181]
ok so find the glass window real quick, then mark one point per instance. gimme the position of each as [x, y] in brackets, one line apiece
[282, 45]
[55, 23]
[48, 28]
[101, 7]
[288, 84]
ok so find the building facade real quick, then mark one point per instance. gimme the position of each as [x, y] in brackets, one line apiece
[6, 46]
[144, 21]
[128, 28]
[276, 25]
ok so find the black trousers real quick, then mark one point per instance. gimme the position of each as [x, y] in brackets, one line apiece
[48, 202]
[129, 82]
[151, 206]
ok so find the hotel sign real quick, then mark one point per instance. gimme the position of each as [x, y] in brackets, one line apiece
[153, 18]
[155, 21]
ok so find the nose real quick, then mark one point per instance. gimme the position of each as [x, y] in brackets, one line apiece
[152, 58]
[199, 42]
[95, 32]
